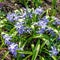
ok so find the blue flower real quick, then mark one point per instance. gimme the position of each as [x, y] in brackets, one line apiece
[51, 32]
[58, 37]
[23, 15]
[38, 10]
[43, 22]
[54, 51]
[45, 18]
[26, 14]
[56, 21]
[41, 31]
[7, 39]
[12, 16]
[20, 28]
[12, 48]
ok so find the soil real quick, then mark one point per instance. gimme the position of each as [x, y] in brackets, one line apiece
[48, 4]
[11, 5]
[2, 52]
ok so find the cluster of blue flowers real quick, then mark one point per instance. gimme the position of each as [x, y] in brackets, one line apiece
[12, 17]
[12, 47]
[21, 28]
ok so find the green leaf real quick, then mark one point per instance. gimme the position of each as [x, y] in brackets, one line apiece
[24, 52]
[42, 58]
[1, 0]
[54, 58]
[26, 57]
[54, 3]
[53, 11]
[37, 36]
[43, 44]
[36, 50]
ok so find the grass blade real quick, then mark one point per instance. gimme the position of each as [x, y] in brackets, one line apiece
[24, 52]
[36, 50]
